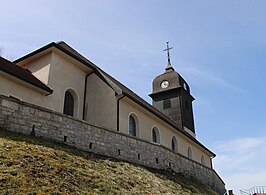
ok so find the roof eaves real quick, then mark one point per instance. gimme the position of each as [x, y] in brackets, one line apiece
[46, 90]
[172, 89]
[26, 74]
[56, 45]
[35, 52]
[117, 89]
[86, 62]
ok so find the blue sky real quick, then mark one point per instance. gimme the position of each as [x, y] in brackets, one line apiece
[219, 48]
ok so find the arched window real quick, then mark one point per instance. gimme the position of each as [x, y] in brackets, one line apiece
[189, 153]
[69, 104]
[174, 144]
[155, 135]
[132, 126]
[202, 160]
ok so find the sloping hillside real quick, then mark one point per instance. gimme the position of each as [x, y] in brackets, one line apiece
[31, 165]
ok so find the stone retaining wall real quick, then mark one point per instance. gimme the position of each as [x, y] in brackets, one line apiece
[28, 119]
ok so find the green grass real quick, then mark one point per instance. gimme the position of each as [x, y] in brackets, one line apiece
[30, 165]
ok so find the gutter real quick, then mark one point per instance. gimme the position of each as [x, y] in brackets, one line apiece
[117, 112]
[85, 94]
[212, 157]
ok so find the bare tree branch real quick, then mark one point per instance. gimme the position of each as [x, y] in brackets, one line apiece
[1, 51]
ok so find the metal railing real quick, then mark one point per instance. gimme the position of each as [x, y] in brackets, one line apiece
[253, 191]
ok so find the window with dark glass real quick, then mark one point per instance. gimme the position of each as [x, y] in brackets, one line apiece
[189, 153]
[202, 160]
[174, 144]
[166, 103]
[132, 126]
[68, 104]
[155, 135]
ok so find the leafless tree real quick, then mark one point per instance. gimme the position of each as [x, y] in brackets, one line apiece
[9, 57]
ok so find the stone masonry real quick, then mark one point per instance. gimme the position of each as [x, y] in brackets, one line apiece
[22, 117]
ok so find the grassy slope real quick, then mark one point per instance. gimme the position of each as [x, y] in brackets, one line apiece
[31, 165]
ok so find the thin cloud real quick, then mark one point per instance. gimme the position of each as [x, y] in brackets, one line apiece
[241, 145]
[210, 78]
[241, 162]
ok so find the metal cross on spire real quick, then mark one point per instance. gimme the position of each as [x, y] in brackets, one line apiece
[169, 66]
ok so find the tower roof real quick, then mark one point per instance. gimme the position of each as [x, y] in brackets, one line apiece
[173, 79]
[169, 75]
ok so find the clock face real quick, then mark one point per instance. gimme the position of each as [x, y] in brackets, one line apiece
[164, 84]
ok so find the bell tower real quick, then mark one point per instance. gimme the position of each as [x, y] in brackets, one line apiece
[171, 95]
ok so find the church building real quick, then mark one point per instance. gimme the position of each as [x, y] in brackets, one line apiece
[60, 79]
